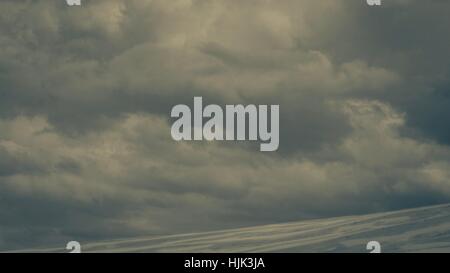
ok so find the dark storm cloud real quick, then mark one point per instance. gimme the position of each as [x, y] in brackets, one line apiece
[85, 97]
[11, 165]
[408, 37]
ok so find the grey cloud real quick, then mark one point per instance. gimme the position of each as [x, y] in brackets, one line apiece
[85, 96]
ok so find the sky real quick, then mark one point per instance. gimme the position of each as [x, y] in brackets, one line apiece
[85, 97]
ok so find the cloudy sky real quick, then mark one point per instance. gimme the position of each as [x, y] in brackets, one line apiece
[86, 92]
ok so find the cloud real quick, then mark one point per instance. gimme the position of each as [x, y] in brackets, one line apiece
[86, 93]
[133, 176]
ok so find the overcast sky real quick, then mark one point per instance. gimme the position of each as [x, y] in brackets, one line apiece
[86, 92]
